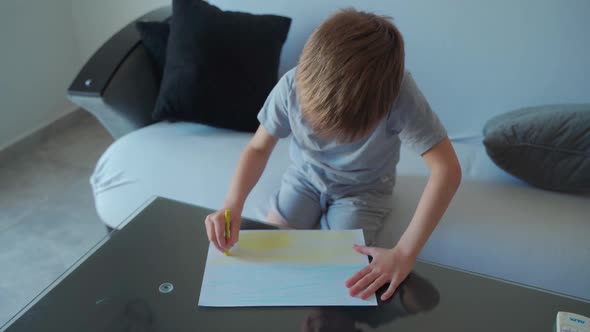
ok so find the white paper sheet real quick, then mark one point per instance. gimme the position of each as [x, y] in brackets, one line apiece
[284, 268]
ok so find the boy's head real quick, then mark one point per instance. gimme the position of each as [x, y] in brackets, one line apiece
[349, 74]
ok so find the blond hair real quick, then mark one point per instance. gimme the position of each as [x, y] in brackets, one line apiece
[349, 74]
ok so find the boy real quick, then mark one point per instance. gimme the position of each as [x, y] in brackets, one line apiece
[347, 105]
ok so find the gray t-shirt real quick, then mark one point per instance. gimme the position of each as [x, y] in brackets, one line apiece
[371, 160]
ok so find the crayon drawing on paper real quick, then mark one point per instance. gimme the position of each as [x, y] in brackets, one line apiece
[284, 268]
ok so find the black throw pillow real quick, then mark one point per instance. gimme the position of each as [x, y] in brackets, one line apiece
[220, 65]
[154, 37]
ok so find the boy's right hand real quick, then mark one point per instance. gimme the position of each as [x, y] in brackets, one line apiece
[215, 225]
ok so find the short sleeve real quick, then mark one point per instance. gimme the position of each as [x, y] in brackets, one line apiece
[418, 126]
[274, 115]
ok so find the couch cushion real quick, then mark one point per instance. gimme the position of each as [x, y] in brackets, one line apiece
[547, 146]
[220, 65]
[495, 225]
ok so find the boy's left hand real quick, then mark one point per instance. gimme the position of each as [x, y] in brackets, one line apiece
[388, 265]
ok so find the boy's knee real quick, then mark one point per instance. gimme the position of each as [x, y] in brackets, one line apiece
[357, 213]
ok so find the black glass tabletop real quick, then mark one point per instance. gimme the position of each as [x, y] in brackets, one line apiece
[147, 277]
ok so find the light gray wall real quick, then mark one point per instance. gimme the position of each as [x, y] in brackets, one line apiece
[472, 58]
[96, 21]
[44, 44]
[38, 59]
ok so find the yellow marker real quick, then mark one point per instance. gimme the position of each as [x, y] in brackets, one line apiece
[227, 228]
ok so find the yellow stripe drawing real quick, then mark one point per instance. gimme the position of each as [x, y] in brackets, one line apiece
[302, 247]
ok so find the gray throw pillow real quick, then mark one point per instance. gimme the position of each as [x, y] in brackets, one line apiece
[547, 146]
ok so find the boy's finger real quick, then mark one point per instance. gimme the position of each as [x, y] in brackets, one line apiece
[357, 276]
[211, 231]
[235, 233]
[389, 292]
[214, 239]
[363, 250]
[363, 283]
[219, 234]
[373, 287]
[208, 228]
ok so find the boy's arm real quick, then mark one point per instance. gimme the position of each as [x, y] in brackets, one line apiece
[422, 131]
[445, 177]
[250, 167]
[394, 265]
[247, 173]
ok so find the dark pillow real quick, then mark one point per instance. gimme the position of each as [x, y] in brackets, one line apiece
[220, 65]
[546, 146]
[154, 37]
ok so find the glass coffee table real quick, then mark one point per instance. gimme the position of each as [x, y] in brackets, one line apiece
[147, 277]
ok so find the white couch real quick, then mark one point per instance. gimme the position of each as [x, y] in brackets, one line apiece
[496, 225]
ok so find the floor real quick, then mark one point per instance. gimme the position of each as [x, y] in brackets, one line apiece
[47, 215]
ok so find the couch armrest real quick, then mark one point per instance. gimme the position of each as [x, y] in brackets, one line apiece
[118, 84]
